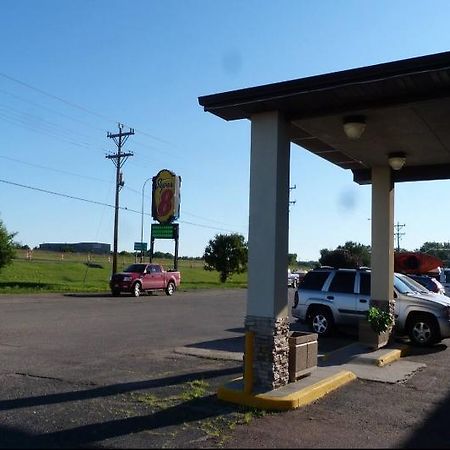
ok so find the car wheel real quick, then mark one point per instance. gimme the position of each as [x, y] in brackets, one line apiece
[321, 322]
[115, 293]
[170, 289]
[136, 290]
[423, 330]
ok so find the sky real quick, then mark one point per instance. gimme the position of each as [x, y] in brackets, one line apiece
[71, 70]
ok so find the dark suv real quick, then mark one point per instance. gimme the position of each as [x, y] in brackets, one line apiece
[430, 283]
[328, 297]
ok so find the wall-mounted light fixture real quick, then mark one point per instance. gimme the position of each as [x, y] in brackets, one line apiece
[397, 160]
[354, 126]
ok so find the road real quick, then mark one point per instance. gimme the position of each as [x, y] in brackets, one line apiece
[99, 371]
[65, 336]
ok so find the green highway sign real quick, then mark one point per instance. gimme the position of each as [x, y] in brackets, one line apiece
[140, 246]
[165, 231]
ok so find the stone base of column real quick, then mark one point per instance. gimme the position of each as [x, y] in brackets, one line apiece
[270, 351]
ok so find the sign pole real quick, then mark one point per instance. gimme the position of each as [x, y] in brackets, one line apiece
[175, 258]
[152, 247]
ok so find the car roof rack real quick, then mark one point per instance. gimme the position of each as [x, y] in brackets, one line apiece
[343, 268]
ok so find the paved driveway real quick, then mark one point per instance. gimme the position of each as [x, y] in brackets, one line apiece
[92, 338]
[97, 371]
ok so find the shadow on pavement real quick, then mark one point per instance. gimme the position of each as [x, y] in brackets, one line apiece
[434, 432]
[237, 344]
[89, 295]
[114, 389]
[84, 435]
[234, 344]
[236, 330]
[414, 350]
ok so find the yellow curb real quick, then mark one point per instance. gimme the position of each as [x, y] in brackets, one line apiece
[392, 356]
[295, 400]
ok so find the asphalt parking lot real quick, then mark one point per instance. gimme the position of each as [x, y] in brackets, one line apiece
[101, 372]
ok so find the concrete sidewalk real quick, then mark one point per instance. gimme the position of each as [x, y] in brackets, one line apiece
[334, 370]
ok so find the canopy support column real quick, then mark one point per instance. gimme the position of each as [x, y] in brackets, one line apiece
[267, 298]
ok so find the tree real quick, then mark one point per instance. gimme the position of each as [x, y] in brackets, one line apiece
[226, 254]
[360, 252]
[7, 246]
[292, 260]
[338, 258]
[162, 255]
[349, 255]
[439, 249]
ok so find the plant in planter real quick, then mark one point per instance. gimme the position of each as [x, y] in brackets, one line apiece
[380, 321]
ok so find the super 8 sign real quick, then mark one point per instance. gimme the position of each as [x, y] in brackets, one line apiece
[166, 196]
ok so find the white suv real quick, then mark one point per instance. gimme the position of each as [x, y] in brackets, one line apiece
[328, 297]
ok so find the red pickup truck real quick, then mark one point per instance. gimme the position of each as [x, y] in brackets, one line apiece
[140, 278]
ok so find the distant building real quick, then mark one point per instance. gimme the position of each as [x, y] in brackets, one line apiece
[80, 247]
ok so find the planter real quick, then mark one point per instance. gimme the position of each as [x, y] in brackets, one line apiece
[368, 337]
[302, 354]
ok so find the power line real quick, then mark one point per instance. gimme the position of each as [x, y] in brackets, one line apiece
[124, 208]
[59, 194]
[397, 234]
[59, 113]
[74, 105]
[204, 218]
[292, 202]
[39, 125]
[65, 172]
[36, 129]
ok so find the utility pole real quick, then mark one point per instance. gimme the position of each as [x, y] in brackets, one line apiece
[398, 234]
[119, 160]
[292, 202]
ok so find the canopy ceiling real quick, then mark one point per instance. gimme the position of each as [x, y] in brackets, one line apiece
[406, 104]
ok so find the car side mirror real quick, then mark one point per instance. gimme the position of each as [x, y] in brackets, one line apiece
[395, 295]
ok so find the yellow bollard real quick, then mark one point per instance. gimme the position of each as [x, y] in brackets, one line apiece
[248, 362]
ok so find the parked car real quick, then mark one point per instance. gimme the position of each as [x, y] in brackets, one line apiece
[140, 278]
[430, 283]
[293, 279]
[444, 279]
[329, 297]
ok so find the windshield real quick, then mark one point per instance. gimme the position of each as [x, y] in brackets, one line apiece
[406, 285]
[136, 268]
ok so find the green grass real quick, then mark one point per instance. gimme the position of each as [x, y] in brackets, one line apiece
[73, 272]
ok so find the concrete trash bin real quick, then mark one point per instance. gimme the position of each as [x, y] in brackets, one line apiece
[302, 354]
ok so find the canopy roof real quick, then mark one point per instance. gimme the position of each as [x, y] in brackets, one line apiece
[406, 105]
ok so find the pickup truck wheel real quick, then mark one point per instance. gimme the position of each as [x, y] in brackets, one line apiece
[321, 321]
[170, 289]
[136, 290]
[423, 330]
